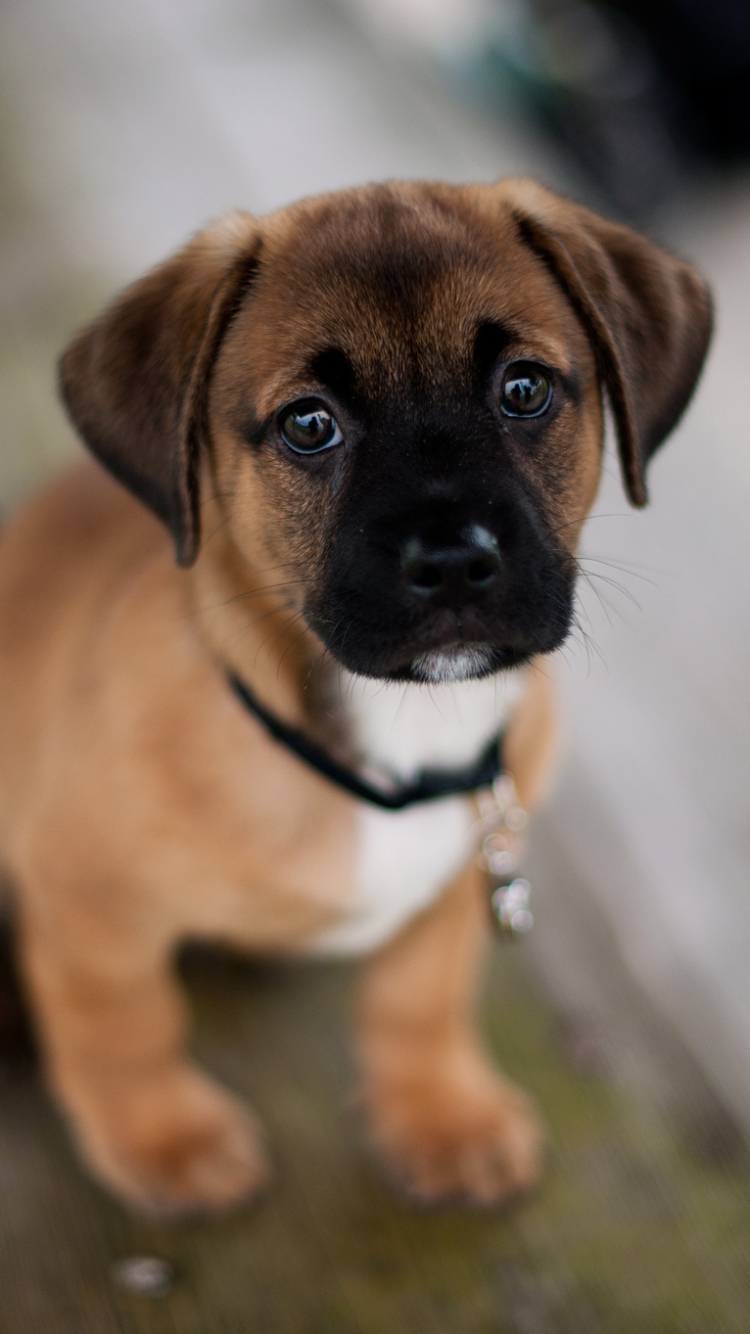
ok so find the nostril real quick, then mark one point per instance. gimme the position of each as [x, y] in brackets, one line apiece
[424, 576]
[429, 575]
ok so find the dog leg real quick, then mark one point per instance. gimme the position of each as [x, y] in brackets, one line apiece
[156, 1129]
[448, 1127]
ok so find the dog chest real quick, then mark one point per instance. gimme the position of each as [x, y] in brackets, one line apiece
[405, 858]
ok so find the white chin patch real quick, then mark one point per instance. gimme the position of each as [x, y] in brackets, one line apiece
[460, 662]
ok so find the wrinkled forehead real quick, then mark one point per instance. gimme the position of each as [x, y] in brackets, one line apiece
[403, 288]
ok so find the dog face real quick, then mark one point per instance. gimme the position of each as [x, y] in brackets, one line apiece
[396, 395]
[408, 400]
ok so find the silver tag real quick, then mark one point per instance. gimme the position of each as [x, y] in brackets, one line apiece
[511, 907]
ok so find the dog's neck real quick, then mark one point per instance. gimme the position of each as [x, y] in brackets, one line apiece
[405, 727]
[251, 629]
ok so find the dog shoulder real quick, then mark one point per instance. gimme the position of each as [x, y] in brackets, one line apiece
[64, 560]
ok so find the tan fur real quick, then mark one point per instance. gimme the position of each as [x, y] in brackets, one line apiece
[139, 805]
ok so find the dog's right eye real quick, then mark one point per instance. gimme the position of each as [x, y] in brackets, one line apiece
[310, 428]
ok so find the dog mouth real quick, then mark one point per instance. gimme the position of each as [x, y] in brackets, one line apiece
[458, 647]
[452, 652]
[448, 651]
[453, 662]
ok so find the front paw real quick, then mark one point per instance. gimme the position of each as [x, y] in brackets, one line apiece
[460, 1136]
[174, 1146]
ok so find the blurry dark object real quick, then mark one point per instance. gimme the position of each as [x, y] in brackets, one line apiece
[590, 78]
[639, 92]
[703, 51]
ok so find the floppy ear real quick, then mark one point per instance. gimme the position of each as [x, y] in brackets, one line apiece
[135, 381]
[648, 316]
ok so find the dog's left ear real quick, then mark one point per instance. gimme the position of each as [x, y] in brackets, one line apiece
[648, 315]
[135, 382]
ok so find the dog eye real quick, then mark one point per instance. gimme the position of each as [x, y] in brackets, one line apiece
[310, 428]
[526, 390]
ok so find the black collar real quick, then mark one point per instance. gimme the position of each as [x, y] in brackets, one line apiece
[428, 784]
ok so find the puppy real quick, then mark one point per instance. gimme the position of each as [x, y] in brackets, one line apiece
[371, 426]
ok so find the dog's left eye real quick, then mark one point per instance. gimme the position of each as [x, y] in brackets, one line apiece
[526, 390]
[310, 428]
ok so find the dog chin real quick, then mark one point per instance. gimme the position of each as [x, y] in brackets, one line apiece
[455, 662]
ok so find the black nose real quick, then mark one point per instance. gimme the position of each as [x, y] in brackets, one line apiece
[455, 573]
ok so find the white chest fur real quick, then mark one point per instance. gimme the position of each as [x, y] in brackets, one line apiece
[405, 858]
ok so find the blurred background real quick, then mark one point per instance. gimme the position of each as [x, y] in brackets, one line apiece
[124, 127]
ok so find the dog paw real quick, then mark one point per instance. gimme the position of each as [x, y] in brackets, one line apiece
[461, 1138]
[184, 1150]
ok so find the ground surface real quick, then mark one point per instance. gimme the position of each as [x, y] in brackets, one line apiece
[641, 1225]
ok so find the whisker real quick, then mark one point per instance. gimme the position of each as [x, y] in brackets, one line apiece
[249, 592]
[624, 568]
[271, 639]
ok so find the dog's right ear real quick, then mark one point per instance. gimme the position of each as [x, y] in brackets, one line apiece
[135, 381]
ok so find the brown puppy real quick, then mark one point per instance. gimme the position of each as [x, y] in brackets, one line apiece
[373, 424]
